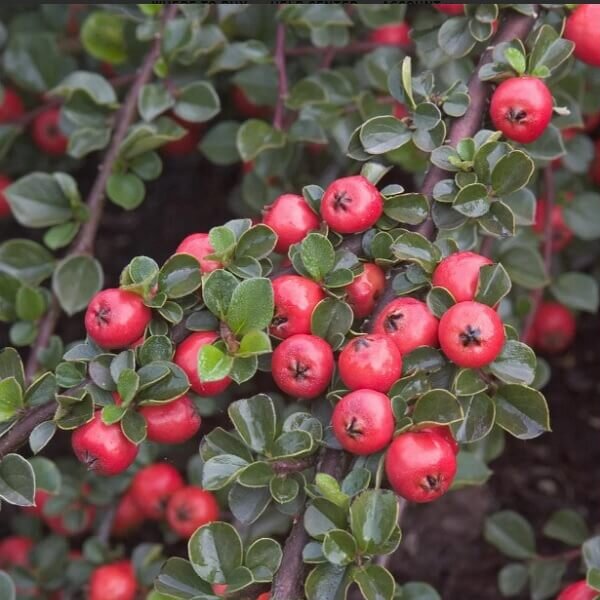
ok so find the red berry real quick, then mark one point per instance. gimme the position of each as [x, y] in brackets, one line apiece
[186, 357]
[295, 299]
[553, 329]
[4, 205]
[153, 486]
[190, 508]
[459, 274]
[11, 107]
[116, 318]
[199, 246]
[409, 323]
[291, 219]
[471, 334]
[173, 422]
[591, 121]
[370, 362]
[420, 466]
[365, 289]
[186, 144]
[246, 107]
[219, 589]
[395, 34]
[363, 422]
[445, 432]
[450, 9]
[128, 516]
[303, 365]
[46, 133]
[561, 234]
[595, 166]
[14, 551]
[115, 581]
[351, 204]
[103, 448]
[578, 591]
[582, 29]
[265, 596]
[400, 111]
[521, 108]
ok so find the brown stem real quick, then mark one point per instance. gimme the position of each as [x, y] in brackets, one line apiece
[568, 555]
[19, 434]
[284, 467]
[282, 75]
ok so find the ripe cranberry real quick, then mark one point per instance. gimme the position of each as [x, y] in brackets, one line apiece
[370, 362]
[582, 29]
[103, 448]
[14, 551]
[553, 329]
[521, 108]
[409, 323]
[199, 246]
[351, 204]
[295, 299]
[291, 219]
[459, 274]
[190, 508]
[420, 466]
[128, 516]
[578, 591]
[153, 486]
[4, 205]
[219, 589]
[186, 357]
[365, 289]
[445, 432]
[363, 422]
[115, 581]
[265, 596]
[561, 234]
[46, 133]
[471, 334]
[173, 422]
[188, 143]
[12, 106]
[395, 34]
[116, 318]
[246, 107]
[450, 9]
[303, 365]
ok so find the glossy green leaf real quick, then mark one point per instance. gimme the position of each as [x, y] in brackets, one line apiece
[512, 579]
[213, 363]
[263, 558]
[11, 398]
[179, 276]
[256, 421]
[515, 364]
[75, 281]
[318, 255]
[197, 102]
[373, 517]
[331, 320]
[17, 481]
[254, 137]
[437, 407]
[578, 291]
[327, 582]
[479, 416]
[522, 411]
[511, 173]
[219, 471]
[375, 582]
[251, 306]
[567, 526]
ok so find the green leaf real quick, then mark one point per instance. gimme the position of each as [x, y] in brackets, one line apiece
[251, 306]
[256, 421]
[511, 534]
[472, 200]
[161, 381]
[331, 320]
[414, 247]
[512, 579]
[248, 504]
[127, 385]
[219, 471]
[454, 37]
[257, 242]
[254, 343]
[567, 526]
[103, 36]
[126, 190]
[468, 382]
[41, 435]
[47, 475]
[582, 215]
[60, 236]
[284, 489]
[591, 552]
[254, 137]
[134, 427]
[12, 366]
[439, 300]
[479, 416]
[17, 480]
[578, 291]
[75, 281]
[94, 85]
[511, 173]
[318, 255]
[217, 292]
[263, 558]
[438, 407]
[375, 582]
[179, 276]
[153, 100]
[522, 411]
[515, 364]
[327, 582]
[213, 363]
[382, 134]
[407, 208]
[197, 102]
[218, 144]
[471, 470]
[545, 578]
[11, 398]
[373, 518]
[549, 49]
[516, 60]
[419, 591]
[525, 267]
[177, 579]
[8, 591]
[493, 284]
[322, 516]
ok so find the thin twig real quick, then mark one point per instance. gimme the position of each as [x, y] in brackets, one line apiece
[282, 77]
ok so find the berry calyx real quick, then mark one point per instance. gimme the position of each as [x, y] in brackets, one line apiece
[186, 357]
[116, 318]
[471, 334]
[199, 246]
[128, 516]
[459, 274]
[420, 466]
[11, 107]
[553, 329]
[521, 108]
[4, 205]
[370, 362]
[115, 581]
[103, 448]
[291, 219]
[395, 34]
[450, 9]
[578, 591]
[153, 486]
[295, 299]
[582, 29]
[173, 422]
[409, 323]
[302, 366]
[14, 551]
[190, 508]
[363, 422]
[365, 289]
[351, 204]
[46, 133]
[561, 233]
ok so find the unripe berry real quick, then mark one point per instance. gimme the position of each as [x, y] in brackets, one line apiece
[103, 448]
[553, 329]
[561, 234]
[291, 218]
[128, 516]
[186, 357]
[172, 422]
[363, 422]
[351, 204]
[459, 274]
[14, 551]
[295, 299]
[471, 334]
[582, 28]
[46, 133]
[199, 246]
[521, 108]
[395, 34]
[450, 9]
[4, 205]
[116, 318]
[420, 466]
[409, 323]
[365, 289]
[578, 591]
[303, 365]
[11, 107]
[190, 508]
[153, 486]
[115, 581]
[370, 362]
